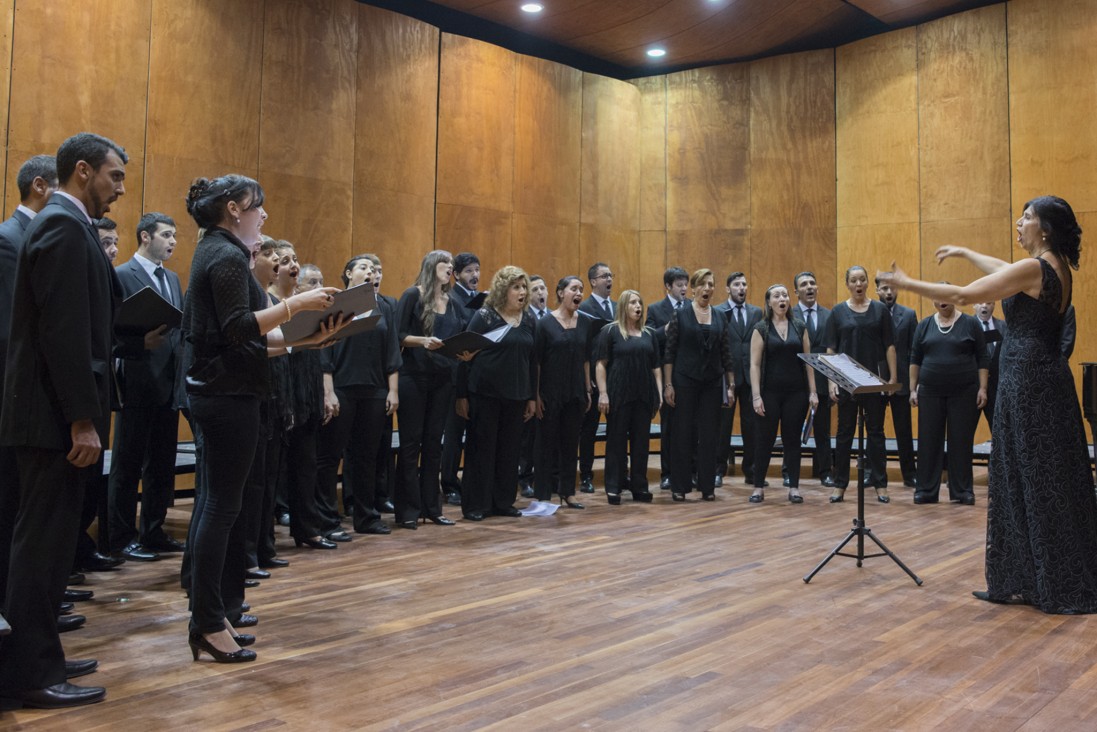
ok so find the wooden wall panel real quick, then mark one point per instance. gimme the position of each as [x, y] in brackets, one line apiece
[791, 169]
[192, 44]
[66, 79]
[395, 141]
[306, 130]
[475, 150]
[9, 194]
[653, 186]
[610, 195]
[548, 247]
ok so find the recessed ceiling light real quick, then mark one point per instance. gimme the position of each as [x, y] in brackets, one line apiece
[532, 7]
[656, 52]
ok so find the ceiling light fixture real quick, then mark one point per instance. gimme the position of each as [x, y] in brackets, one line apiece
[532, 7]
[657, 52]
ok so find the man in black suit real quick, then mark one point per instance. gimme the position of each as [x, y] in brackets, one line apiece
[984, 311]
[598, 305]
[36, 181]
[146, 430]
[815, 317]
[56, 412]
[466, 270]
[676, 284]
[904, 320]
[742, 317]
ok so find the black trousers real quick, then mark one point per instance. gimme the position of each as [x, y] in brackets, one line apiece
[230, 434]
[587, 436]
[424, 404]
[724, 455]
[353, 437]
[298, 477]
[955, 418]
[258, 508]
[559, 453]
[491, 454]
[787, 410]
[530, 448]
[453, 443]
[37, 547]
[904, 437]
[144, 450]
[696, 428]
[876, 448]
[96, 506]
[666, 439]
[627, 438]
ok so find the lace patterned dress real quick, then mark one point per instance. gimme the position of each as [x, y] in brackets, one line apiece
[1042, 512]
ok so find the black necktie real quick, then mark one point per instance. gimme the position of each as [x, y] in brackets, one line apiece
[162, 278]
[608, 308]
[810, 312]
[986, 325]
[540, 314]
[739, 316]
[677, 304]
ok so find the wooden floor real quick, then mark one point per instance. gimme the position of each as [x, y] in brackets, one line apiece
[637, 617]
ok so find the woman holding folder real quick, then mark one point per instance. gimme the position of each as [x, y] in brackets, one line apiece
[783, 387]
[425, 317]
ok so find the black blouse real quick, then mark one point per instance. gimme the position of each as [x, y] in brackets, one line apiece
[630, 363]
[782, 369]
[561, 354]
[701, 352]
[361, 364]
[507, 369]
[409, 322]
[864, 337]
[948, 362]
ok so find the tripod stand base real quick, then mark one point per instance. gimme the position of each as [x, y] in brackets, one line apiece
[860, 531]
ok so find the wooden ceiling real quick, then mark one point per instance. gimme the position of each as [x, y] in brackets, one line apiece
[612, 37]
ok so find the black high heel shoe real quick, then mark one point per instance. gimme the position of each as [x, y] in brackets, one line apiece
[320, 543]
[885, 498]
[198, 643]
[439, 520]
[566, 501]
[413, 524]
[243, 639]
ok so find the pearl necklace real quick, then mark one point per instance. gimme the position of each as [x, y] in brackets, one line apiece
[937, 321]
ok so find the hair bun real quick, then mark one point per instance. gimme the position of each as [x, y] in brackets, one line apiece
[198, 188]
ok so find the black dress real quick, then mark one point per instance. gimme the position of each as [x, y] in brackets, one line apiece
[1042, 515]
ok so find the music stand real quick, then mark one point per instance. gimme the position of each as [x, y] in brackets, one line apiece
[857, 380]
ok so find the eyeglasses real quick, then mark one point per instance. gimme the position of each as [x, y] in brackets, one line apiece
[605, 276]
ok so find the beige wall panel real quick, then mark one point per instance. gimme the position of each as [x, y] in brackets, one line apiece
[611, 153]
[616, 246]
[778, 255]
[486, 232]
[547, 135]
[307, 125]
[398, 227]
[876, 134]
[10, 194]
[723, 251]
[189, 134]
[1052, 95]
[963, 110]
[653, 152]
[708, 148]
[476, 125]
[874, 248]
[653, 253]
[792, 141]
[65, 79]
[548, 247]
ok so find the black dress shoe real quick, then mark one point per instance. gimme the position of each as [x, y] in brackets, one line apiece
[587, 486]
[511, 511]
[614, 499]
[336, 535]
[967, 499]
[921, 498]
[474, 516]
[78, 595]
[413, 524]
[643, 497]
[677, 497]
[453, 498]
[165, 544]
[80, 668]
[376, 527]
[910, 482]
[137, 553]
[566, 501]
[386, 507]
[65, 623]
[257, 574]
[320, 543]
[273, 563]
[664, 484]
[250, 584]
[65, 608]
[96, 562]
[708, 496]
[245, 621]
[245, 606]
[77, 578]
[787, 482]
[527, 491]
[828, 482]
[57, 696]
[283, 519]
[985, 597]
[440, 521]
[757, 498]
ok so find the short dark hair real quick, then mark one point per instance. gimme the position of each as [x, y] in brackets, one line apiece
[150, 221]
[207, 199]
[89, 147]
[734, 276]
[350, 265]
[796, 279]
[105, 224]
[536, 277]
[40, 166]
[464, 259]
[673, 274]
[593, 271]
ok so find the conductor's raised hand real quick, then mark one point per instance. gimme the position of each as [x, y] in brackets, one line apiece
[895, 277]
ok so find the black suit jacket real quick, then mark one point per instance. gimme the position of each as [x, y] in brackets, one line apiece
[149, 378]
[659, 314]
[11, 240]
[461, 299]
[904, 321]
[739, 337]
[61, 332]
[593, 308]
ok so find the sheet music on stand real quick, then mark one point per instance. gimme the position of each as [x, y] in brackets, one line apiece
[847, 373]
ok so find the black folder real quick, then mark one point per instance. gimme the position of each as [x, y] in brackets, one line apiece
[465, 341]
[355, 301]
[143, 311]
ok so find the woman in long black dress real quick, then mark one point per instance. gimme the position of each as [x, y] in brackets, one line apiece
[425, 317]
[629, 384]
[1042, 511]
[861, 329]
[496, 392]
[561, 352]
[948, 384]
[783, 387]
[698, 374]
